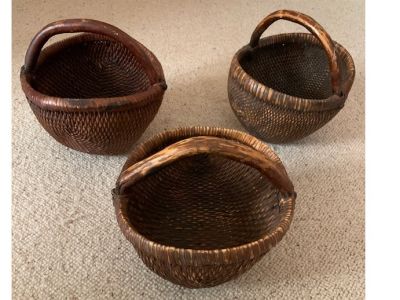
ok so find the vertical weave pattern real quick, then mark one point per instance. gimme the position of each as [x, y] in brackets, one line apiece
[97, 132]
[274, 123]
[197, 276]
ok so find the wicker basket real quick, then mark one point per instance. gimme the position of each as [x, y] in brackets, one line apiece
[203, 205]
[95, 92]
[285, 87]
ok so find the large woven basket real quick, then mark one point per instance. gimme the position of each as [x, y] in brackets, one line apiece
[285, 87]
[202, 205]
[95, 92]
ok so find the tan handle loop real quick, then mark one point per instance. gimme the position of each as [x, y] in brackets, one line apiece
[314, 28]
[90, 26]
[206, 144]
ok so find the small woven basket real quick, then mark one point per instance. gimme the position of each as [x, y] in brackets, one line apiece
[95, 92]
[285, 87]
[202, 205]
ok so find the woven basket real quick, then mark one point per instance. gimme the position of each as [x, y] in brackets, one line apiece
[95, 92]
[203, 205]
[285, 87]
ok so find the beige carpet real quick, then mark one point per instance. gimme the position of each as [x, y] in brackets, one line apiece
[66, 242]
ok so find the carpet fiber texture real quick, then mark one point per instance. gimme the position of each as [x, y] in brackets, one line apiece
[66, 241]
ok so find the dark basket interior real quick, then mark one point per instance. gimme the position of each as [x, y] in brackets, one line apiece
[90, 69]
[204, 202]
[295, 68]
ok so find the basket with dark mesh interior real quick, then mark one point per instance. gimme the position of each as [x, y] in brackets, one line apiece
[91, 93]
[281, 90]
[204, 202]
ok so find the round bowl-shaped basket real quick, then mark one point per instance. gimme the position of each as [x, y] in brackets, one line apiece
[202, 205]
[95, 92]
[285, 87]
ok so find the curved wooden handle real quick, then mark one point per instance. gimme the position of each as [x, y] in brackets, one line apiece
[314, 28]
[90, 26]
[205, 144]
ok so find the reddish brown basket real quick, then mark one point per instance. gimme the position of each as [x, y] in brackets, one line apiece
[285, 87]
[202, 205]
[95, 92]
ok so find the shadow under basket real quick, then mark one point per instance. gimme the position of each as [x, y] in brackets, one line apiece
[285, 87]
[202, 205]
[95, 92]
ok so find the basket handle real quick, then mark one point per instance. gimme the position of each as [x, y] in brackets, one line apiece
[90, 26]
[205, 144]
[314, 28]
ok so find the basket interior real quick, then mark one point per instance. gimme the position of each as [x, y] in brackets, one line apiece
[204, 202]
[92, 68]
[299, 69]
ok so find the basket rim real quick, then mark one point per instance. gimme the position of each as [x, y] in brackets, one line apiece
[187, 256]
[55, 103]
[274, 97]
